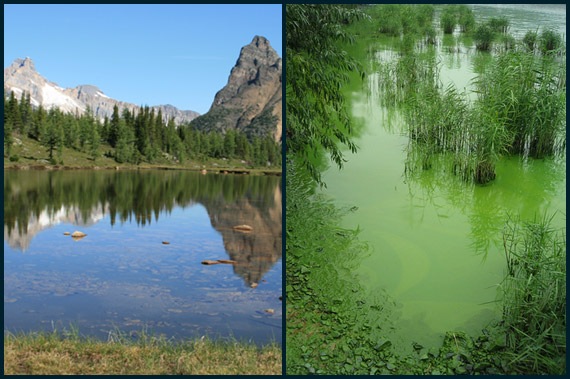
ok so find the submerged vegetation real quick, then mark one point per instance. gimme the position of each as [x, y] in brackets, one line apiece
[515, 106]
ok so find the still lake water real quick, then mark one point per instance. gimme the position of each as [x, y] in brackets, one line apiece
[121, 275]
[435, 243]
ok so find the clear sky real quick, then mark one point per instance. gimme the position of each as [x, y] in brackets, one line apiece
[142, 54]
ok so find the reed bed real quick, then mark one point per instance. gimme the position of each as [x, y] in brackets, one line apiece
[519, 108]
[534, 295]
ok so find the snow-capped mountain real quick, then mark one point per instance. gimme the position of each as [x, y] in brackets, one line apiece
[22, 76]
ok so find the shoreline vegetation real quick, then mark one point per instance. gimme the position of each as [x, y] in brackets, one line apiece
[51, 138]
[75, 160]
[49, 353]
[333, 326]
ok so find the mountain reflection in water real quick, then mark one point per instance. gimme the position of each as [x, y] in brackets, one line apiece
[34, 201]
[140, 264]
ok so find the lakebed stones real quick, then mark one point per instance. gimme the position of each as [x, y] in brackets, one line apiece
[218, 261]
[77, 235]
[243, 228]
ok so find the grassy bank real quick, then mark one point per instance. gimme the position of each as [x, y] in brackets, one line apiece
[31, 155]
[53, 353]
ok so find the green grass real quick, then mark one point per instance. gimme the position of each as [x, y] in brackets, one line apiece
[69, 353]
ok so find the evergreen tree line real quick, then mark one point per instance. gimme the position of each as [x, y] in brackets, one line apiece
[135, 137]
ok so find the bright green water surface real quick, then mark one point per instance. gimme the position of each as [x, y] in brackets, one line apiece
[436, 242]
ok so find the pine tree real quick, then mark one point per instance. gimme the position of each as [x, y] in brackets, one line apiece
[25, 113]
[14, 115]
[70, 131]
[243, 147]
[230, 144]
[105, 129]
[8, 139]
[38, 124]
[114, 127]
[94, 141]
[53, 136]
[124, 151]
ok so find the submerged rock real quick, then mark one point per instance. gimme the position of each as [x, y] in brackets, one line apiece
[243, 228]
[78, 235]
[218, 261]
[228, 261]
[210, 262]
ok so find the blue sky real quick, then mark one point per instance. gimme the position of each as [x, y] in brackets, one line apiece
[143, 54]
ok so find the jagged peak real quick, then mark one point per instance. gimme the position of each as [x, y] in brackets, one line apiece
[259, 40]
[24, 63]
[89, 89]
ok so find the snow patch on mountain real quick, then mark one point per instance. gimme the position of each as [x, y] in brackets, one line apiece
[52, 97]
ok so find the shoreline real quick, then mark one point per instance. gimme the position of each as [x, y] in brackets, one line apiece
[204, 170]
[69, 353]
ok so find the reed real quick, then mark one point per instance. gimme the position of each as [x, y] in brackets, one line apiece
[499, 24]
[534, 295]
[550, 42]
[483, 37]
[530, 40]
[466, 19]
[527, 93]
[519, 107]
[448, 19]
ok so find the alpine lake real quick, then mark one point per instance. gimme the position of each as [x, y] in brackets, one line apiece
[435, 242]
[139, 269]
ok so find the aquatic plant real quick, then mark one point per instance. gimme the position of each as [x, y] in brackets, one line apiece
[549, 41]
[534, 295]
[530, 40]
[448, 19]
[526, 94]
[506, 42]
[430, 35]
[424, 14]
[397, 19]
[483, 37]
[499, 24]
[466, 19]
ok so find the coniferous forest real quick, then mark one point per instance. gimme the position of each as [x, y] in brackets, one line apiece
[136, 137]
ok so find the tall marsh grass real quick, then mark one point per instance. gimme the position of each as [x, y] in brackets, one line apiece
[519, 107]
[534, 295]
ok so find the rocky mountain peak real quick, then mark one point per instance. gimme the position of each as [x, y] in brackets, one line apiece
[251, 100]
[22, 67]
[25, 63]
[253, 58]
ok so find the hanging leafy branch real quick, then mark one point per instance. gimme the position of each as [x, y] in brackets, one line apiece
[317, 67]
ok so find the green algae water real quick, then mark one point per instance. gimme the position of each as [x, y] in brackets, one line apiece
[436, 242]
